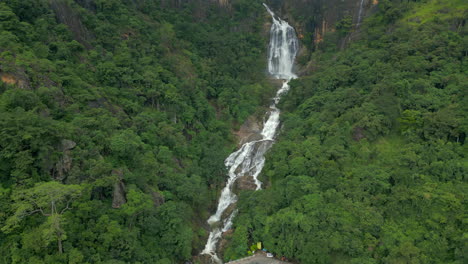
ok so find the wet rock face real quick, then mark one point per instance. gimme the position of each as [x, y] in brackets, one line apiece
[203, 259]
[245, 183]
[318, 17]
[229, 211]
[314, 20]
[310, 14]
[249, 131]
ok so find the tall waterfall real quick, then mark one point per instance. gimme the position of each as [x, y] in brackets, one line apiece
[250, 158]
[361, 6]
[282, 49]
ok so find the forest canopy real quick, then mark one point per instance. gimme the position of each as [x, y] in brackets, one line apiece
[371, 163]
[116, 117]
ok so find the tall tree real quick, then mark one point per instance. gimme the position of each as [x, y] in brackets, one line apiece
[49, 199]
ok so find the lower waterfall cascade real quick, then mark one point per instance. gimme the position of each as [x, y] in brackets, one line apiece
[249, 159]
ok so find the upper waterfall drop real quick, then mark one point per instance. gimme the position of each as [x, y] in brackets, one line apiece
[361, 6]
[249, 159]
[282, 49]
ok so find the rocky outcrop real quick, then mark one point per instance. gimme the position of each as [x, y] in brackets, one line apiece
[224, 3]
[68, 16]
[64, 165]
[318, 17]
[245, 183]
[10, 79]
[315, 19]
[158, 198]
[68, 144]
[118, 195]
[203, 259]
[231, 208]
[249, 131]
[19, 79]
[358, 133]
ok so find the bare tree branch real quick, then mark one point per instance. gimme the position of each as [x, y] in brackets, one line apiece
[66, 206]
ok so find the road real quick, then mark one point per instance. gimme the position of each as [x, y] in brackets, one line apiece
[258, 259]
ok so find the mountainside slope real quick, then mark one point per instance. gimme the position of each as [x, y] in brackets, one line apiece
[371, 162]
[115, 119]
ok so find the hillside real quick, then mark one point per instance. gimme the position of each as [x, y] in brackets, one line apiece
[115, 119]
[371, 162]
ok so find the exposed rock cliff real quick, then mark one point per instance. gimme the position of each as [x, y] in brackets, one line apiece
[317, 17]
[119, 195]
[249, 131]
[313, 19]
[68, 16]
[64, 164]
[14, 80]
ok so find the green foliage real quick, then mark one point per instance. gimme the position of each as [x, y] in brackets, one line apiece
[239, 243]
[370, 164]
[345, 25]
[137, 94]
[49, 199]
[137, 99]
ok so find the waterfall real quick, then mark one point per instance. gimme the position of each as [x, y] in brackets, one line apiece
[249, 159]
[361, 5]
[282, 48]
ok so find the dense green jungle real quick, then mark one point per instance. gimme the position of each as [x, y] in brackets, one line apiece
[116, 117]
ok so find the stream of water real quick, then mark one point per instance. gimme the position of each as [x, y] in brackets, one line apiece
[249, 159]
[361, 6]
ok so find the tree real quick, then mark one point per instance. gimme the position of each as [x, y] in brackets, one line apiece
[49, 199]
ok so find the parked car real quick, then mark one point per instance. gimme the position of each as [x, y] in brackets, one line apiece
[269, 255]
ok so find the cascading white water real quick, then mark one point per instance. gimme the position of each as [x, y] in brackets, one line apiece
[361, 5]
[250, 158]
[282, 49]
